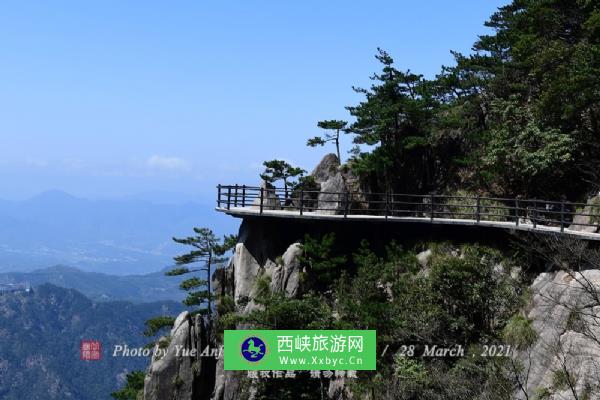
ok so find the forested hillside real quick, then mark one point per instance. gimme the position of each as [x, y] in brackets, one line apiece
[40, 335]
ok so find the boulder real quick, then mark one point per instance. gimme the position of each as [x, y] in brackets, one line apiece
[334, 181]
[327, 175]
[270, 199]
[423, 257]
[332, 198]
[286, 276]
[326, 169]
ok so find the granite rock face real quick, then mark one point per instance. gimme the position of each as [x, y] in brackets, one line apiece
[271, 200]
[326, 174]
[285, 277]
[334, 182]
[175, 374]
[326, 169]
[566, 316]
[255, 256]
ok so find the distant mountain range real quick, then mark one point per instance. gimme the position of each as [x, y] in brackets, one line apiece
[40, 337]
[102, 287]
[121, 236]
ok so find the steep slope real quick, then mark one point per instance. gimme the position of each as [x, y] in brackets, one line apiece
[40, 335]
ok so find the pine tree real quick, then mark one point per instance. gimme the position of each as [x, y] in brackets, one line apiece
[208, 251]
[396, 118]
[276, 170]
[333, 128]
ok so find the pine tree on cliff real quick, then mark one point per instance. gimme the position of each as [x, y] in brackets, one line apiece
[395, 120]
[207, 250]
[333, 128]
[276, 170]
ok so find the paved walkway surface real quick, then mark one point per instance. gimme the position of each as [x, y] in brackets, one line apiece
[254, 211]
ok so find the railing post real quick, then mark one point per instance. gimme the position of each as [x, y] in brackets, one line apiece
[228, 197]
[534, 216]
[431, 199]
[478, 208]
[243, 195]
[262, 196]
[562, 216]
[219, 195]
[346, 203]
[387, 204]
[517, 212]
[235, 197]
[301, 201]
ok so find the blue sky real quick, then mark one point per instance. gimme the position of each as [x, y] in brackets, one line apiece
[113, 98]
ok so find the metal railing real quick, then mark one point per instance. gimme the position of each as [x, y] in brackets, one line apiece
[535, 212]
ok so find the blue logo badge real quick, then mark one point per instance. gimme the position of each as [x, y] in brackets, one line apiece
[253, 349]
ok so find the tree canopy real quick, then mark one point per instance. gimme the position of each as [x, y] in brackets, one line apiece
[518, 116]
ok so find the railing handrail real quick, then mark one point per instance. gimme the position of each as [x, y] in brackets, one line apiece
[430, 206]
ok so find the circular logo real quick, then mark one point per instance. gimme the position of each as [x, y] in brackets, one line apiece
[253, 349]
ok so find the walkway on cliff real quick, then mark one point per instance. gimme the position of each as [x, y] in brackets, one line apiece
[573, 219]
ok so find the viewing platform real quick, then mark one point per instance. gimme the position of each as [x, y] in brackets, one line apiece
[578, 220]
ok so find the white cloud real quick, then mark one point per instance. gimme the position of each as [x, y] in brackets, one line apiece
[168, 163]
[73, 163]
[36, 162]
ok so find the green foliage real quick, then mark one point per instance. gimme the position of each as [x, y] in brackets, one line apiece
[542, 394]
[519, 116]
[542, 63]
[519, 332]
[228, 243]
[156, 324]
[198, 298]
[320, 262]
[133, 387]
[281, 312]
[562, 379]
[409, 369]
[276, 170]
[461, 298]
[473, 295]
[206, 249]
[396, 117]
[335, 126]
[520, 151]
[177, 271]
[228, 319]
[465, 206]
[192, 283]
[364, 298]
[575, 322]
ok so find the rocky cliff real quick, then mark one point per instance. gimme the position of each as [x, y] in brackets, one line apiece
[564, 360]
[260, 251]
[561, 363]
